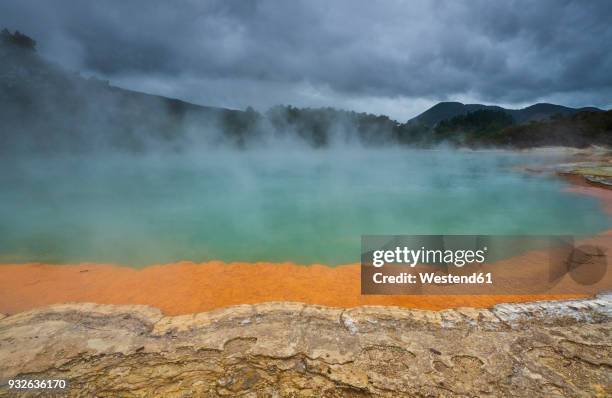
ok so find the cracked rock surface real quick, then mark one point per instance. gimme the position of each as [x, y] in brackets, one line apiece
[292, 350]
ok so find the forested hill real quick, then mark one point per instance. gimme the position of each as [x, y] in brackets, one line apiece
[43, 107]
[494, 128]
[542, 111]
[46, 108]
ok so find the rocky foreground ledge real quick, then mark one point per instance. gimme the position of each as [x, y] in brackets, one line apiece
[289, 349]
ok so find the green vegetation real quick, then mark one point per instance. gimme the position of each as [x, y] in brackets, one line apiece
[320, 127]
[473, 128]
[578, 130]
[17, 39]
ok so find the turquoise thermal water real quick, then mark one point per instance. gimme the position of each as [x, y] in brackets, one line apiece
[296, 205]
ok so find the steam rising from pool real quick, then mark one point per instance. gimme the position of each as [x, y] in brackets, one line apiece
[296, 205]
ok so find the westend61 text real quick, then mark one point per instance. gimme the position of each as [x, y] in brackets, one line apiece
[432, 278]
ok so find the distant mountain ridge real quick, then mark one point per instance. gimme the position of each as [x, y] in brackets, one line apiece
[447, 110]
[44, 108]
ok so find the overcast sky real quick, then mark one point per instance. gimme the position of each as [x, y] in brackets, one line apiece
[388, 57]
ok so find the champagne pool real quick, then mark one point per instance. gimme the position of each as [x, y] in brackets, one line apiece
[302, 206]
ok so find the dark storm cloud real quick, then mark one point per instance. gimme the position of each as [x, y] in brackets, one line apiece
[377, 54]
